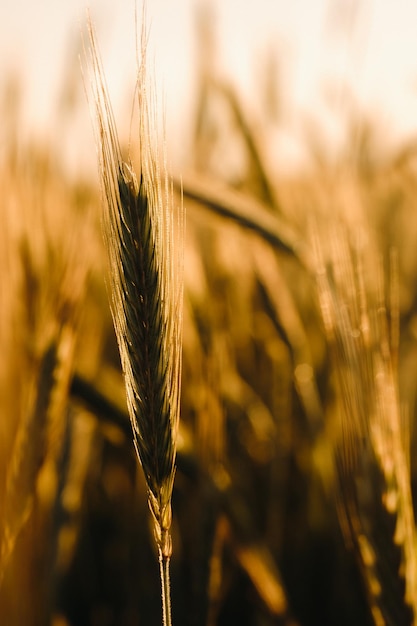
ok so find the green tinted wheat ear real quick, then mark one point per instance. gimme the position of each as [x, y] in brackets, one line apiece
[144, 238]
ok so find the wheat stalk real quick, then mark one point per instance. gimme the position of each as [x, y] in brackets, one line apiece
[144, 240]
[28, 453]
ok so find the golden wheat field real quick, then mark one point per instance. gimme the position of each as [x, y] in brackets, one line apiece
[276, 479]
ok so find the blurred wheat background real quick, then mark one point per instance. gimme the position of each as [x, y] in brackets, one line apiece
[291, 133]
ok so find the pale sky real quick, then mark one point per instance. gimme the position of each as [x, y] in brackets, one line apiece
[325, 47]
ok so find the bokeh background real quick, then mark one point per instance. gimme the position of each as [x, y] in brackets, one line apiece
[326, 57]
[292, 126]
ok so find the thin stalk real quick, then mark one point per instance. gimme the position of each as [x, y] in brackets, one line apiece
[164, 561]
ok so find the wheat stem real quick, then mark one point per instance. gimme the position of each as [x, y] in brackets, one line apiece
[165, 588]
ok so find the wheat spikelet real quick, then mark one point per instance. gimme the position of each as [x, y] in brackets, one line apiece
[144, 242]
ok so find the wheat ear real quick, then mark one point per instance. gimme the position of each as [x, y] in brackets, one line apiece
[144, 240]
[375, 502]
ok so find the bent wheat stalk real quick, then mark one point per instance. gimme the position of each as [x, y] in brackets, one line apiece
[144, 240]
